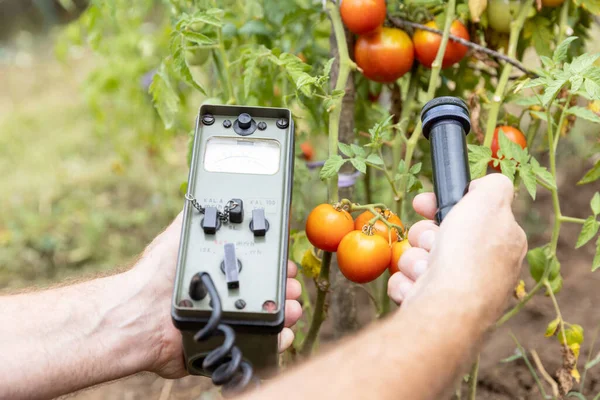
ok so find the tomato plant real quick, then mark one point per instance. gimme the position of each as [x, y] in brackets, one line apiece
[326, 226]
[362, 16]
[362, 258]
[427, 45]
[358, 99]
[385, 55]
[512, 134]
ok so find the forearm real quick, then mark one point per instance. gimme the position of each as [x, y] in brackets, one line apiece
[61, 340]
[415, 354]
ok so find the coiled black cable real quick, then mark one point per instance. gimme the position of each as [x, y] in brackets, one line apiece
[225, 363]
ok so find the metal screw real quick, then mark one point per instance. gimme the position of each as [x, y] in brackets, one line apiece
[186, 303]
[262, 125]
[282, 123]
[227, 124]
[208, 119]
[269, 306]
[240, 304]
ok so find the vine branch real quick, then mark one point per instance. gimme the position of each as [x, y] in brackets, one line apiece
[402, 23]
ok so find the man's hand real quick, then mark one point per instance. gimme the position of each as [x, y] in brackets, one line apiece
[155, 271]
[478, 249]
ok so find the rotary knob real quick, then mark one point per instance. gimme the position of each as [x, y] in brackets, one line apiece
[245, 121]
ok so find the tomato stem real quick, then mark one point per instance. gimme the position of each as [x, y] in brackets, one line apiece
[319, 311]
[573, 220]
[561, 323]
[473, 379]
[564, 20]
[515, 32]
[433, 83]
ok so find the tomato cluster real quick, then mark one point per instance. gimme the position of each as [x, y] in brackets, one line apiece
[364, 250]
[386, 54]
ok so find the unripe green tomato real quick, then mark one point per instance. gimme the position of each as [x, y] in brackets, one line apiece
[500, 14]
[554, 269]
[197, 56]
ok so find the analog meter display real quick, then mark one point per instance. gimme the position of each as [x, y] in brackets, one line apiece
[242, 156]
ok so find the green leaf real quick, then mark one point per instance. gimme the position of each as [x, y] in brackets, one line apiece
[585, 113]
[346, 149]
[595, 204]
[596, 262]
[537, 260]
[525, 101]
[212, 16]
[560, 54]
[512, 358]
[592, 88]
[359, 151]
[249, 67]
[542, 173]
[592, 175]
[359, 164]
[296, 69]
[583, 62]
[415, 169]
[402, 167]
[164, 97]
[556, 284]
[547, 62]
[535, 83]
[374, 159]
[588, 231]
[331, 167]
[551, 90]
[592, 6]
[327, 67]
[539, 114]
[576, 82]
[198, 38]
[529, 180]
[479, 157]
[254, 27]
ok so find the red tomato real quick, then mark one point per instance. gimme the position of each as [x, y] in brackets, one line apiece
[427, 45]
[552, 3]
[513, 134]
[307, 151]
[363, 258]
[398, 249]
[384, 55]
[326, 226]
[362, 16]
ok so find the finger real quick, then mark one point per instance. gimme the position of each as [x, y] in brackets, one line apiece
[497, 189]
[293, 312]
[425, 205]
[286, 338]
[293, 289]
[413, 262]
[399, 286]
[423, 234]
[292, 269]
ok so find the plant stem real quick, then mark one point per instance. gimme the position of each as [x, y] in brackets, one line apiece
[561, 323]
[554, 191]
[306, 303]
[344, 72]
[589, 357]
[532, 132]
[513, 41]
[368, 182]
[529, 366]
[544, 373]
[561, 120]
[384, 299]
[573, 220]
[319, 311]
[564, 19]
[401, 23]
[227, 74]
[433, 82]
[515, 310]
[473, 379]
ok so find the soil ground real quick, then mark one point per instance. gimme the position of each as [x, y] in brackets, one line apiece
[29, 103]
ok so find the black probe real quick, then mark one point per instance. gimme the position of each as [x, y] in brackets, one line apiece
[446, 123]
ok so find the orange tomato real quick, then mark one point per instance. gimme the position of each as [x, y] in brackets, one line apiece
[379, 227]
[362, 258]
[308, 151]
[398, 249]
[362, 16]
[326, 226]
[384, 55]
[513, 134]
[552, 3]
[428, 43]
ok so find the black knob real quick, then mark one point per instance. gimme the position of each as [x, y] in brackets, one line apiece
[446, 122]
[245, 121]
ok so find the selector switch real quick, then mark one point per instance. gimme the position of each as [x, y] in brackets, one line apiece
[210, 222]
[230, 264]
[236, 214]
[259, 224]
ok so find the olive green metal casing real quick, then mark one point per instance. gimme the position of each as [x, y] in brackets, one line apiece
[263, 259]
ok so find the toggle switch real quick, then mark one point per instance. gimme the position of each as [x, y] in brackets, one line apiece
[259, 224]
[197, 290]
[236, 214]
[210, 222]
[231, 266]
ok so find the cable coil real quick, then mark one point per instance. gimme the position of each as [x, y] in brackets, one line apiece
[225, 363]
